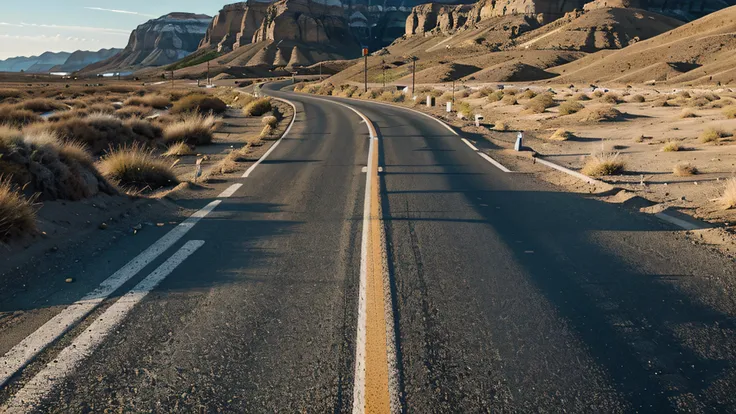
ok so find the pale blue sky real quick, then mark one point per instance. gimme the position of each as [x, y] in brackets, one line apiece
[31, 27]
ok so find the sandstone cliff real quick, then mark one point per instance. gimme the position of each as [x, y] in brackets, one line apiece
[158, 42]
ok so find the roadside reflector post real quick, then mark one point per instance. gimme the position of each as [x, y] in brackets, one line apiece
[198, 169]
[519, 144]
[449, 107]
[365, 68]
[430, 100]
[478, 117]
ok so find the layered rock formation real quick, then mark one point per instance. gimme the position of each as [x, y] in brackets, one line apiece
[83, 58]
[686, 10]
[159, 42]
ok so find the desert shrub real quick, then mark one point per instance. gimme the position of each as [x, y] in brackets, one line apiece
[10, 94]
[203, 104]
[389, 96]
[603, 163]
[37, 160]
[686, 113]
[258, 107]
[661, 103]
[194, 129]
[41, 105]
[684, 170]
[270, 120]
[509, 100]
[325, 89]
[598, 93]
[101, 108]
[474, 95]
[600, 114]
[581, 97]
[299, 86]
[561, 135]
[570, 107]
[349, 91]
[637, 99]
[684, 94]
[179, 149]
[495, 96]
[136, 167]
[145, 129]
[128, 112]
[698, 101]
[18, 117]
[122, 89]
[711, 135]
[540, 103]
[528, 94]
[501, 126]
[511, 91]
[611, 98]
[446, 97]
[97, 132]
[671, 146]
[17, 216]
[730, 112]
[153, 101]
[728, 196]
[72, 113]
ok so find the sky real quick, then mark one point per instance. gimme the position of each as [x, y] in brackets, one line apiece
[31, 27]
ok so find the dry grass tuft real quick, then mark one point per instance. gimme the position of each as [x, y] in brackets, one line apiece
[603, 163]
[135, 167]
[600, 114]
[581, 97]
[495, 96]
[711, 135]
[153, 101]
[637, 99]
[561, 135]
[686, 113]
[193, 129]
[501, 126]
[730, 112]
[41, 105]
[270, 120]
[728, 197]
[611, 98]
[18, 117]
[684, 170]
[128, 112]
[258, 107]
[570, 107]
[179, 149]
[17, 216]
[598, 93]
[671, 146]
[528, 94]
[203, 104]
[540, 103]
[509, 99]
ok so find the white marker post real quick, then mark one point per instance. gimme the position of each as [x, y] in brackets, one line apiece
[478, 117]
[519, 141]
[198, 169]
[449, 107]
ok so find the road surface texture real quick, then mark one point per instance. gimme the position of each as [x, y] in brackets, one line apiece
[507, 294]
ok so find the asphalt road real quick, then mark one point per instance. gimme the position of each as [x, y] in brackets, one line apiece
[508, 295]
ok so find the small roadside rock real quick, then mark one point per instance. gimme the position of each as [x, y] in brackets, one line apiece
[69, 280]
[103, 226]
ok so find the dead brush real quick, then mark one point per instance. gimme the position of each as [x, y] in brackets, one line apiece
[18, 117]
[135, 167]
[672, 146]
[561, 135]
[570, 107]
[687, 113]
[728, 194]
[200, 103]
[600, 114]
[603, 164]
[711, 135]
[41, 105]
[637, 99]
[153, 100]
[179, 149]
[611, 98]
[17, 215]
[540, 103]
[684, 170]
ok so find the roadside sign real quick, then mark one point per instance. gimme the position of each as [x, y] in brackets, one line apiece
[365, 51]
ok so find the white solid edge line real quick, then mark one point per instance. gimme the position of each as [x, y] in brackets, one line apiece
[567, 171]
[70, 357]
[275, 144]
[469, 144]
[676, 221]
[230, 191]
[22, 353]
[494, 162]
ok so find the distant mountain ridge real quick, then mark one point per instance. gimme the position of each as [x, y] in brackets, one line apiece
[56, 61]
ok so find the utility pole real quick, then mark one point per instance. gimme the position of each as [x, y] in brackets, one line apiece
[320, 70]
[453, 92]
[365, 68]
[383, 67]
[413, 73]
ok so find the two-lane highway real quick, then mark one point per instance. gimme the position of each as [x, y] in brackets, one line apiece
[498, 292]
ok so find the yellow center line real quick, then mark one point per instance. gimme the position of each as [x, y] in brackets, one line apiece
[377, 398]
